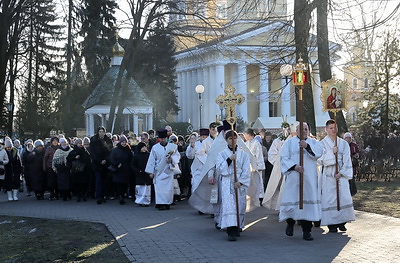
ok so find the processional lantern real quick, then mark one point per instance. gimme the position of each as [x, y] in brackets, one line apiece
[300, 76]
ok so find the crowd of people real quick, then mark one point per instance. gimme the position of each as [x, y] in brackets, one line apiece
[223, 173]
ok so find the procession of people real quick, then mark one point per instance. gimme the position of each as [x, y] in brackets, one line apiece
[225, 173]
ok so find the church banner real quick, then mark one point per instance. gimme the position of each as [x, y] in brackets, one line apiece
[333, 95]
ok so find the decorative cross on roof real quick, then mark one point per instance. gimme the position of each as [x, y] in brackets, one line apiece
[229, 101]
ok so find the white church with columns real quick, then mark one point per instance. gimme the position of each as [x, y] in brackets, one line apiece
[246, 53]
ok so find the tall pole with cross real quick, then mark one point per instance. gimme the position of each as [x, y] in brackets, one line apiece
[229, 101]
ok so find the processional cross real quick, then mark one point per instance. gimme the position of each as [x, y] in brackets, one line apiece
[229, 101]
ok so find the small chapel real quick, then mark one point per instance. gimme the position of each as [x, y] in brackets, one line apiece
[138, 109]
[243, 44]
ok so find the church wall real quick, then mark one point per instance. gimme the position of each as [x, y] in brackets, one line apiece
[253, 91]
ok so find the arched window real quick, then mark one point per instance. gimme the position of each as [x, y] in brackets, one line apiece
[366, 84]
[355, 83]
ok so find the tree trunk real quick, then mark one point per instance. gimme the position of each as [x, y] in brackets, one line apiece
[325, 72]
[302, 18]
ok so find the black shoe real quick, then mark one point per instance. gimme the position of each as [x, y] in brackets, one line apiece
[289, 230]
[122, 202]
[99, 202]
[167, 207]
[332, 230]
[200, 213]
[231, 231]
[307, 236]
[231, 238]
[317, 223]
[162, 207]
[342, 228]
[238, 232]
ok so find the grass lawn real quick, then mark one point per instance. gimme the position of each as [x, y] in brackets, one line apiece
[378, 197]
[42, 240]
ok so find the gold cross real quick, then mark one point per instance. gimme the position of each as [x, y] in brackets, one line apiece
[229, 101]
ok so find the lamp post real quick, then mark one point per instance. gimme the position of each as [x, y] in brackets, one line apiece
[199, 90]
[10, 109]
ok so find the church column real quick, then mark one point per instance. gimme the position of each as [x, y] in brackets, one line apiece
[150, 121]
[135, 124]
[206, 95]
[91, 124]
[195, 98]
[190, 101]
[212, 95]
[184, 97]
[242, 89]
[220, 82]
[87, 124]
[178, 93]
[285, 98]
[317, 91]
[264, 92]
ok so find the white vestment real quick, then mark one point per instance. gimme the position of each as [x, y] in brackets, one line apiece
[290, 157]
[201, 189]
[256, 171]
[330, 214]
[163, 176]
[143, 194]
[228, 215]
[276, 181]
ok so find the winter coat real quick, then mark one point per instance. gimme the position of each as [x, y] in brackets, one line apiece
[60, 166]
[84, 159]
[139, 163]
[4, 160]
[34, 164]
[99, 151]
[122, 155]
[48, 157]
[13, 169]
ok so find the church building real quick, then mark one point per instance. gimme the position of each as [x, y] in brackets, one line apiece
[244, 44]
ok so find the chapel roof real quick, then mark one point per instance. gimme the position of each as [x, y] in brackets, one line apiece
[102, 94]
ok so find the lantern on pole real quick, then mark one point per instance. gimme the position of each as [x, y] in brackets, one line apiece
[300, 76]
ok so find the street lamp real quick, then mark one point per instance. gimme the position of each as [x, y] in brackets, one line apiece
[10, 109]
[200, 90]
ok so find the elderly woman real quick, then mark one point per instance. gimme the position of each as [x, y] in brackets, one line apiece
[13, 171]
[34, 161]
[60, 166]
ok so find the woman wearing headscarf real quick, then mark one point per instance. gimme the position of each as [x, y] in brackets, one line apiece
[120, 158]
[79, 161]
[13, 171]
[34, 161]
[60, 166]
[26, 165]
[3, 161]
[143, 180]
[47, 167]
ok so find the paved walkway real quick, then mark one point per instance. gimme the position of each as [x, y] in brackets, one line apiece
[181, 235]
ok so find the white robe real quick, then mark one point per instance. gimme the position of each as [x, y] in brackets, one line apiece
[228, 216]
[163, 176]
[256, 169]
[276, 181]
[330, 214]
[289, 206]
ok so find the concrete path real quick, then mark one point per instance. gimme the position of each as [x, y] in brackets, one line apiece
[181, 235]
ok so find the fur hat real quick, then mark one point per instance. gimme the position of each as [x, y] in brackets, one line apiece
[162, 133]
[38, 143]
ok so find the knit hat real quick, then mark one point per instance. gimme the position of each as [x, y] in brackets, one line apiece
[38, 143]
[78, 141]
[123, 138]
[347, 134]
[17, 142]
[8, 143]
[86, 140]
[162, 133]
[204, 132]
[258, 138]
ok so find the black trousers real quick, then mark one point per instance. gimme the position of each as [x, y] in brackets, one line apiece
[305, 225]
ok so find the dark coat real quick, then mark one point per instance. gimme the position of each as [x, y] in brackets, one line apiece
[139, 163]
[13, 170]
[48, 156]
[34, 161]
[84, 158]
[63, 174]
[99, 151]
[122, 155]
